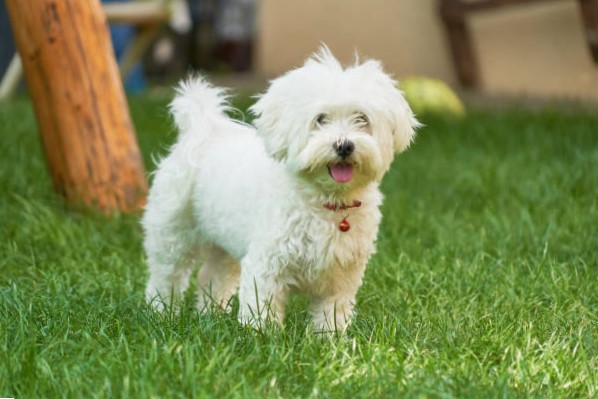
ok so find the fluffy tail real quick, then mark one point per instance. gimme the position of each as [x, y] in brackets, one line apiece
[197, 105]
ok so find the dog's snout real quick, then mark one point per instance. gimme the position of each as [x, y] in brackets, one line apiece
[344, 148]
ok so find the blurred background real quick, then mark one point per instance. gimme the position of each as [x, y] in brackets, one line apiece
[522, 48]
[534, 48]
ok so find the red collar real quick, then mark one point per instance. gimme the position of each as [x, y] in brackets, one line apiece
[342, 207]
[344, 224]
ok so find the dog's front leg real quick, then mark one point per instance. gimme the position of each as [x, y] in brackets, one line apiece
[332, 310]
[261, 298]
[332, 314]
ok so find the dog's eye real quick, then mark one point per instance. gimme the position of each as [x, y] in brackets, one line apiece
[361, 119]
[322, 119]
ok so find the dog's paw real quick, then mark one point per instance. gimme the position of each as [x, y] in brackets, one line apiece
[163, 304]
[207, 304]
[260, 322]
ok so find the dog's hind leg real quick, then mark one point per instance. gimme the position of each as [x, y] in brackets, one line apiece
[217, 279]
[170, 241]
[171, 255]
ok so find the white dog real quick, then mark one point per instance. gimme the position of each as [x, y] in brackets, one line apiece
[291, 205]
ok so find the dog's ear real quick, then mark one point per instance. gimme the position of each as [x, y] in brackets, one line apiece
[403, 122]
[270, 123]
[283, 112]
[390, 102]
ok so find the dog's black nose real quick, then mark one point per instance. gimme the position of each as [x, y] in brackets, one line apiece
[344, 148]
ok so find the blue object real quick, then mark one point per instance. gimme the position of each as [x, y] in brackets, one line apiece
[122, 35]
[7, 46]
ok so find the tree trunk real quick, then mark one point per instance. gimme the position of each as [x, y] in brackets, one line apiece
[79, 102]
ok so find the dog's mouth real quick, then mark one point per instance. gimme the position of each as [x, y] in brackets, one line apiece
[341, 172]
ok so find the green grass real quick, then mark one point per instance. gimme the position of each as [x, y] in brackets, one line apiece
[485, 283]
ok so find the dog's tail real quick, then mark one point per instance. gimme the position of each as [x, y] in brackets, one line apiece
[197, 104]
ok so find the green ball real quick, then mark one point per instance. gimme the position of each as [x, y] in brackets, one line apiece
[431, 96]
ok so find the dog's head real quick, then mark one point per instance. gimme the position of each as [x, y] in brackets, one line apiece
[338, 127]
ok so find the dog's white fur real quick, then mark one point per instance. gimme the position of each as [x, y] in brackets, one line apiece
[252, 200]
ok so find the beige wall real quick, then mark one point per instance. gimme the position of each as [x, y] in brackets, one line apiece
[535, 50]
[539, 49]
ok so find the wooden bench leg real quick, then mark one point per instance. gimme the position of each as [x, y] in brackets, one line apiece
[589, 14]
[459, 37]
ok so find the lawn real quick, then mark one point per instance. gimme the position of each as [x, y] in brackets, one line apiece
[485, 283]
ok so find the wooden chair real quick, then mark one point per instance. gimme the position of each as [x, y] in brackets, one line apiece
[454, 16]
[147, 16]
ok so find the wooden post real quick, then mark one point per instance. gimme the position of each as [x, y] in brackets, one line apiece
[79, 102]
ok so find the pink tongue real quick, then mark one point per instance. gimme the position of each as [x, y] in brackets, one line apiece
[341, 172]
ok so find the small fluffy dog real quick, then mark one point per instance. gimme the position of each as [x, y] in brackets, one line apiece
[290, 205]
